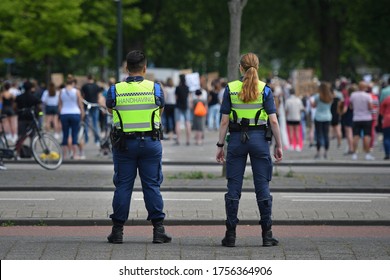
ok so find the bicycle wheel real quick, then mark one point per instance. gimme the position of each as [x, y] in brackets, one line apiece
[46, 151]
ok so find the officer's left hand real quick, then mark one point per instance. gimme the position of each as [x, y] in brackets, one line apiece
[278, 154]
[220, 157]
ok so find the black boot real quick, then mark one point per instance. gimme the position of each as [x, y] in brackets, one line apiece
[230, 237]
[116, 235]
[265, 208]
[231, 208]
[268, 239]
[159, 235]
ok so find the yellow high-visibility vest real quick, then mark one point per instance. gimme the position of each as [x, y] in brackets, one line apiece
[248, 110]
[135, 107]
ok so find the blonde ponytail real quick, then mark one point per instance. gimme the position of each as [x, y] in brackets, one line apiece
[250, 90]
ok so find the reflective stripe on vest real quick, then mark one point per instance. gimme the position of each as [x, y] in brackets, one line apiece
[247, 110]
[136, 104]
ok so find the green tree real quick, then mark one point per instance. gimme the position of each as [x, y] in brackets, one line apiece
[97, 48]
[40, 30]
[366, 37]
[184, 34]
[65, 35]
[331, 36]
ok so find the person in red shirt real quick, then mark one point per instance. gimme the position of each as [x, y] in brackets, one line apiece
[374, 111]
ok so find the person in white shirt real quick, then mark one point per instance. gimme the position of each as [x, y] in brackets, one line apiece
[169, 109]
[71, 111]
[14, 90]
[361, 104]
[294, 107]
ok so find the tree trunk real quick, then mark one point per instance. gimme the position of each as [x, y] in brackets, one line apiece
[48, 62]
[235, 11]
[330, 42]
[103, 68]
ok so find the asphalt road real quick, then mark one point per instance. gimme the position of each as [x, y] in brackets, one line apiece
[81, 194]
[194, 201]
[98, 177]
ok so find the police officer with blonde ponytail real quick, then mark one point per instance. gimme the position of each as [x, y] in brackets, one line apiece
[136, 105]
[249, 114]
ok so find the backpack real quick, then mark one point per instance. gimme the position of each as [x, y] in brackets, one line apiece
[200, 110]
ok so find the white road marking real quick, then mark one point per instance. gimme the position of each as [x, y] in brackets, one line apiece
[339, 195]
[181, 199]
[331, 200]
[328, 196]
[27, 199]
[334, 197]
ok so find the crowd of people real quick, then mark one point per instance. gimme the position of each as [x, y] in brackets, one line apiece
[180, 114]
[354, 111]
[344, 111]
[62, 110]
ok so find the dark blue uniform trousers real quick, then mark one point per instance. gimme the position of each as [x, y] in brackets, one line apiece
[145, 156]
[237, 153]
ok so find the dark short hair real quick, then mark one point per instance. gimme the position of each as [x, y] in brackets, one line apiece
[7, 86]
[182, 78]
[136, 60]
[27, 86]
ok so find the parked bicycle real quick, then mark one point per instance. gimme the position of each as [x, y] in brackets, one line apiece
[45, 149]
[104, 135]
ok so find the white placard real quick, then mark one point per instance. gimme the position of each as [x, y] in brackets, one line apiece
[193, 81]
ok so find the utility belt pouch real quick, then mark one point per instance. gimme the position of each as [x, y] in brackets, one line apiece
[118, 139]
[244, 130]
[161, 133]
[268, 133]
[158, 134]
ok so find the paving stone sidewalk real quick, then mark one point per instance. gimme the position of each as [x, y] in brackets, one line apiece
[196, 243]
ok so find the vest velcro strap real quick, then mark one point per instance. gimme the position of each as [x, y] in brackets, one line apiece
[235, 127]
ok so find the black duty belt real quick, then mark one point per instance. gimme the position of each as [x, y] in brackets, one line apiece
[135, 135]
[239, 128]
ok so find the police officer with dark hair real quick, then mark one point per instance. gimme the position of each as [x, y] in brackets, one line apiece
[136, 105]
[247, 107]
